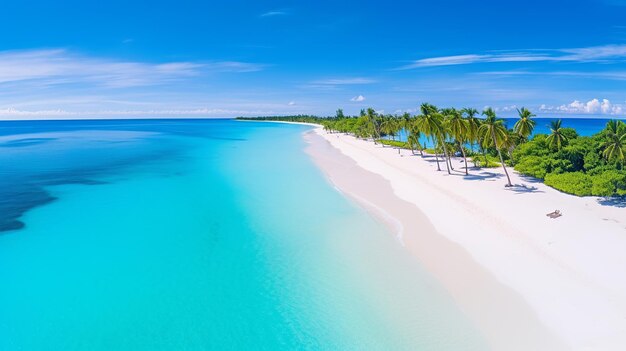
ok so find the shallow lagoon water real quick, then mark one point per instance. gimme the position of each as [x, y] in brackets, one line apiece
[198, 235]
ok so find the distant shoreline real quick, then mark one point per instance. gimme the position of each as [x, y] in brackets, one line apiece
[116, 119]
[565, 117]
[282, 122]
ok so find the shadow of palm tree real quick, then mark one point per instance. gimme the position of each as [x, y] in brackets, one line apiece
[524, 189]
[619, 201]
[530, 179]
[483, 176]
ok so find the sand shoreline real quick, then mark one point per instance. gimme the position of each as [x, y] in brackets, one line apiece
[527, 281]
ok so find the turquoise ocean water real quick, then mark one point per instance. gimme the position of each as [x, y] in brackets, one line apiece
[199, 235]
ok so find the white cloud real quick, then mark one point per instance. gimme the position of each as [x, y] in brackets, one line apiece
[232, 66]
[407, 110]
[604, 53]
[274, 13]
[593, 106]
[595, 53]
[506, 108]
[470, 59]
[58, 66]
[609, 75]
[606, 107]
[12, 113]
[291, 103]
[359, 98]
[25, 113]
[337, 83]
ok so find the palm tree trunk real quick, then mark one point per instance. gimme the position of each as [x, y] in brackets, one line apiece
[448, 156]
[473, 152]
[505, 171]
[464, 160]
[450, 160]
[445, 154]
[436, 156]
[501, 159]
[485, 154]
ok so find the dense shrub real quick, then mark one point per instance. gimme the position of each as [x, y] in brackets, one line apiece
[575, 152]
[492, 161]
[577, 168]
[576, 183]
[394, 143]
[570, 134]
[534, 166]
[609, 183]
[536, 147]
[591, 161]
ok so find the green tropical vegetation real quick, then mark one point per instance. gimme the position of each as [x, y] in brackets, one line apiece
[580, 165]
[494, 134]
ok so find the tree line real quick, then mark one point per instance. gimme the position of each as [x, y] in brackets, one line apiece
[580, 165]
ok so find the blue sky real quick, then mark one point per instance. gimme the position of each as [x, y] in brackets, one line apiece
[78, 59]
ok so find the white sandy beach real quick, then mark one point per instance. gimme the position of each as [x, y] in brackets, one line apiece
[528, 281]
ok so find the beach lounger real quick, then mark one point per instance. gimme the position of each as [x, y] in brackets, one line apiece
[555, 214]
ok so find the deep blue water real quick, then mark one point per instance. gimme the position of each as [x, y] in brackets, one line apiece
[43, 153]
[199, 235]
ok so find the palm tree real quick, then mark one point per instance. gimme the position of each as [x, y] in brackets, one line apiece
[513, 139]
[406, 121]
[494, 133]
[525, 125]
[429, 122]
[556, 139]
[339, 114]
[371, 118]
[400, 123]
[442, 135]
[473, 123]
[413, 133]
[614, 147]
[446, 113]
[387, 126]
[384, 126]
[326, 125]
[459, 130]
[413, 139]
[391, 125]
[362, 127]
[397, 124]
